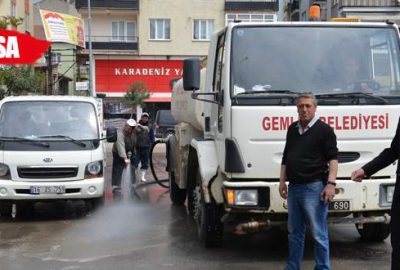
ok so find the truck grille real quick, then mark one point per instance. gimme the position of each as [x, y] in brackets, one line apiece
[344, 157]
[47, 172]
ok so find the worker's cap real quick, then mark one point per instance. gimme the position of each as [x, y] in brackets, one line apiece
[131, 122]
[145, 114]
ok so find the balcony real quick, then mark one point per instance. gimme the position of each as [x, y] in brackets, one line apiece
[368, 3]
[121, 43]
[108, 4]
[251, 5]
[293, 5]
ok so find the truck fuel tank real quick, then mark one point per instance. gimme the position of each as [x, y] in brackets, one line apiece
[186, 109]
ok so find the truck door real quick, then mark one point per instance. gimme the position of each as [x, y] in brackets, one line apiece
[217, 111]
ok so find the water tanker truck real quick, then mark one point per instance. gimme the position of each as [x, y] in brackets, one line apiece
[232, 118]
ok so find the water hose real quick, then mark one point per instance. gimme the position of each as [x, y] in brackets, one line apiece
[158, 181]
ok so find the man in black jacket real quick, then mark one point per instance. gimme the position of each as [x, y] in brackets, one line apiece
[385, 158]
[144, 140]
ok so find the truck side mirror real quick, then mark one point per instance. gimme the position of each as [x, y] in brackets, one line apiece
[191, 74]
[111, 134]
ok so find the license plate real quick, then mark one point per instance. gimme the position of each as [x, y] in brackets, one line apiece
[47, 189]
[340, 205]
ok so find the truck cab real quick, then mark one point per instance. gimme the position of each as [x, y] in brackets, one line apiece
[51, 148]
[233, 118]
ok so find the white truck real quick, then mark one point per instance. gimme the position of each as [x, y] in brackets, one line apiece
[51, 148]
[233, 116]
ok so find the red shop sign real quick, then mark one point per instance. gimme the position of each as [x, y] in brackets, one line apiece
[115, 76]
[17, 48]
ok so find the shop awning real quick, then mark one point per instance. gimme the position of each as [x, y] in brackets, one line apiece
[158, 99]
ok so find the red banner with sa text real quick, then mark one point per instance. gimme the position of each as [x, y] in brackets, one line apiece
[18, 48]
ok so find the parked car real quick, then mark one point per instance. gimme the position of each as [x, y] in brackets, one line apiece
[164, 124]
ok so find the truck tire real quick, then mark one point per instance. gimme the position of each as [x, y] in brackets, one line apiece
[374, 232]
[5, 209]
[193, 174]
[208, 220]
[191, 201]
[177, 195]
[97, 203]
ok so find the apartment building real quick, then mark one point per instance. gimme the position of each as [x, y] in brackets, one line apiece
[251, 10]
[19, 8]
[65, 66]
[365, 10]
[147, 40]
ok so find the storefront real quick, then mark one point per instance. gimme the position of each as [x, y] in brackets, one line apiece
[113, 77]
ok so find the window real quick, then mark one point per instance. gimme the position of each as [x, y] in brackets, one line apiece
[202, 29]
[13, 9]
[160, 29]
[124, 31]
[330, 60]
[218, 77]
[26, 21]
[247, 17]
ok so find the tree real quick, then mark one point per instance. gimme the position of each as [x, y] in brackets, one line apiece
[5, 21]
[136, 94]
[21, 80]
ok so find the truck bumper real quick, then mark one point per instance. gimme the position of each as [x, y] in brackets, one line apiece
[81, 189]
[351, 197]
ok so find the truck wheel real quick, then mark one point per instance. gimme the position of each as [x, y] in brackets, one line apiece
[208, 219]
[97, 203]
[193, 178]
[191, 202]
[177, 195]
[375, 232]
[26, 209]
[5, 209]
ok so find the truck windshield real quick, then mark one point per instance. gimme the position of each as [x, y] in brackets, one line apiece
[49, 120]
[267, 61]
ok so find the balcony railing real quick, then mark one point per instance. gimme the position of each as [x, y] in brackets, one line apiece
[114, 43]
[249, 5]
[112, 4]
[368, 3]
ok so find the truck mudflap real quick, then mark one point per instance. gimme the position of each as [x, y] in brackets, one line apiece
[208, 167]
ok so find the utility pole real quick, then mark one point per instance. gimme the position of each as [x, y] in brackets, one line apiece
[91, 63]
[49, 72]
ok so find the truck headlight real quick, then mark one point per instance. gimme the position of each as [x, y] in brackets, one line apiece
[4, 172]
[94, 169]
[242, 197]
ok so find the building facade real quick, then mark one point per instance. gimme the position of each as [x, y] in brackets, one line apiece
[146, 41]
[19, 8]
[64, 65]
[364, 10]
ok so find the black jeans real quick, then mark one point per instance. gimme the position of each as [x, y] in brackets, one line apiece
[395, 227]
[142, 157]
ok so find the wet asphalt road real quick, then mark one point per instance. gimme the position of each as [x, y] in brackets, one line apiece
[147, 232]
